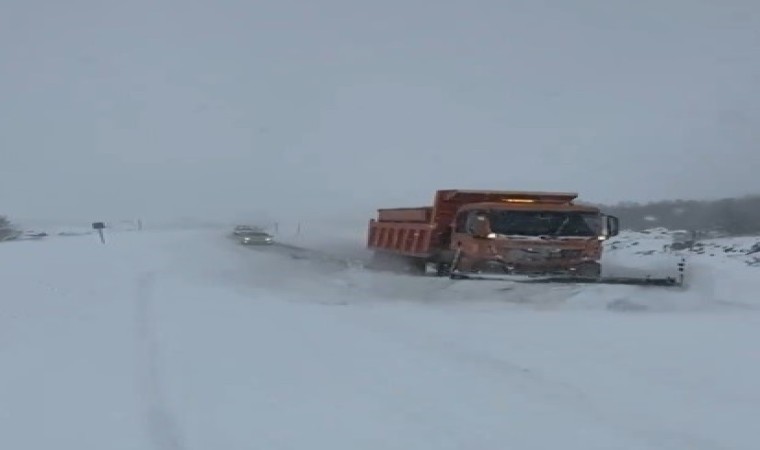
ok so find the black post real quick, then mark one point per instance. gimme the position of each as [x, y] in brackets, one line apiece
[100, 226]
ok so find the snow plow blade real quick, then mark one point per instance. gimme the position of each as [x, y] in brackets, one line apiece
[666, 281]
[675, 281]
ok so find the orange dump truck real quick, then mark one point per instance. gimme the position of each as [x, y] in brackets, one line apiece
[494, 232]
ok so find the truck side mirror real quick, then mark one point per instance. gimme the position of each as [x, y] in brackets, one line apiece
[613, 226]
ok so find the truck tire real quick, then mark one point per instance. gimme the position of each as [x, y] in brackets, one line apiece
[385, 262]
[590, 270]
[382, 262]
[416, 266]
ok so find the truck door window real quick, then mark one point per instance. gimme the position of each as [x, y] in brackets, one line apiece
[472, 217]
[461, 222]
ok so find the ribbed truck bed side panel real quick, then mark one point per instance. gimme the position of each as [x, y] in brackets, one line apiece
[405, 238]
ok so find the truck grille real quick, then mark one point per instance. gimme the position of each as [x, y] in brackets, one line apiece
[543, 253]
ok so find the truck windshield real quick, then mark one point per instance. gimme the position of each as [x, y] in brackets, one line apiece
[545, 223]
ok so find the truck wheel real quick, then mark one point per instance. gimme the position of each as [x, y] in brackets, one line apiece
[381, 262]
[414, 266]
[589, 270]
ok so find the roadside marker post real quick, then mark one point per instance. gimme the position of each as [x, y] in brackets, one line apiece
[100, 226]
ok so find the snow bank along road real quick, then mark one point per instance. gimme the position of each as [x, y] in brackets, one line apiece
[184, 340]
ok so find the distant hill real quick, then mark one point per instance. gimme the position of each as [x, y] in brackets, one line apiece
[730, 216]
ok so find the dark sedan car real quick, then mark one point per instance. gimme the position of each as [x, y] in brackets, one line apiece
[256, 238]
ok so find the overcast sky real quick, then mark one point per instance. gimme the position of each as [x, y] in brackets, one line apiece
[226, 108]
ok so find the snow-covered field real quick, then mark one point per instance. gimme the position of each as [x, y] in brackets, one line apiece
[181, 339]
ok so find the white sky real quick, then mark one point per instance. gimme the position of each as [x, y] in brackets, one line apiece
[337, 107]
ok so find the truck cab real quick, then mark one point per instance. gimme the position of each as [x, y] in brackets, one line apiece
[525, 235]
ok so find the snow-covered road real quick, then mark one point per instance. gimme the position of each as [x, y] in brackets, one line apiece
[183, 340]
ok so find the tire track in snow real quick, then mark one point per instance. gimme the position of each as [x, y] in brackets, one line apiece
[161, 424]
[637, 426]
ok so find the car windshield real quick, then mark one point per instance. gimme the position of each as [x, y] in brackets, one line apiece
[545, 223]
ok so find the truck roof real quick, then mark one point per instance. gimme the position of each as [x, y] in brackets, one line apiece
[546, 196]
[539, 206]
[448, 201]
